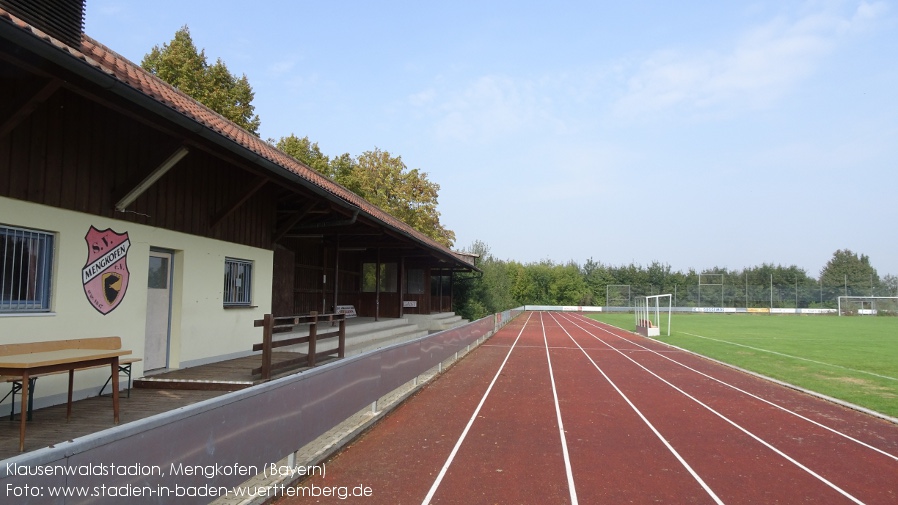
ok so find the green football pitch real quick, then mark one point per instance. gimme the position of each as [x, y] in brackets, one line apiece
[854, 359]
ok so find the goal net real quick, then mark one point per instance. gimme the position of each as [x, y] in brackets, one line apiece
[868, 305]
[649, 310]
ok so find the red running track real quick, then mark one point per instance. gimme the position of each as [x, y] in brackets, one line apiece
[557, 408]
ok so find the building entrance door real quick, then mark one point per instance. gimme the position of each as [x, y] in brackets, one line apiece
[158, 326]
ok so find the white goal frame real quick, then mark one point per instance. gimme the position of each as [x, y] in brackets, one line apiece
[868, 299]
[646, 306]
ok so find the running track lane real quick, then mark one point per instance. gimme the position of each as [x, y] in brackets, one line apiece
[845, 449]
[630, 436]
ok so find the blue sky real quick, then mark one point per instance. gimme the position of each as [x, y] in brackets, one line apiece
[697, 134]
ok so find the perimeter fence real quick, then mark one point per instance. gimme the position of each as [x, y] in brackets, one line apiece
[745, 295]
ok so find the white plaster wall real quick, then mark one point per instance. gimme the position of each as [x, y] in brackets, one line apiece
[202, 329]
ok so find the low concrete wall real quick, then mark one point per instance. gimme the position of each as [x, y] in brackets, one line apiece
[199, 452]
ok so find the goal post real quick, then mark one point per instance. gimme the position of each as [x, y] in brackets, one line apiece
[868, 305]
[648, 314]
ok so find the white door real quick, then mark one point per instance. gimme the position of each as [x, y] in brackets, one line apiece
[155, 354]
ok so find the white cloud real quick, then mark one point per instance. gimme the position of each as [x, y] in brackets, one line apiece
[764, 64]
[422, 98]
[279, 68]
[487, 108]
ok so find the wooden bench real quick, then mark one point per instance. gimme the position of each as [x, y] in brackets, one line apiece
[108, 343]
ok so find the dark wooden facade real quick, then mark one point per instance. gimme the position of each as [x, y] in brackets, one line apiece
[77, 155]
[317, 268]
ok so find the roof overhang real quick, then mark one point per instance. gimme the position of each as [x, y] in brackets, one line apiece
[251, 150]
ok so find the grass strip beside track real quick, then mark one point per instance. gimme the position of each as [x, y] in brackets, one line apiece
[854, 359]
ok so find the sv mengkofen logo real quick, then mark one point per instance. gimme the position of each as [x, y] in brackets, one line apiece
[105, 275]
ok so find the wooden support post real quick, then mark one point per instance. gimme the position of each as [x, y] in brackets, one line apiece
[267, 323]
[313, 331]
[341, 347]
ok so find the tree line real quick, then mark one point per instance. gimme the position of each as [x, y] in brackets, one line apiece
[505, 284]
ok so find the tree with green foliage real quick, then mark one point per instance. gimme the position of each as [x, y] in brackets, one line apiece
[307, 152]
[851, 270]
[181, 65]
[596, 277]
[890, 285]
[382, 179]
[487, 292]
[385, 181]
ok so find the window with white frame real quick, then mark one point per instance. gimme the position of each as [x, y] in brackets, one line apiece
[238, 280]
[26, 259]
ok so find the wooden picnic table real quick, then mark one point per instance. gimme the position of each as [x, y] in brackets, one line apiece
[34, 363]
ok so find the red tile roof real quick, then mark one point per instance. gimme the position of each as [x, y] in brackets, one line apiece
[116, 66]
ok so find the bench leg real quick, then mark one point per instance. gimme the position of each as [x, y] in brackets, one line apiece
[16, 388]
[32, 382]
[125, 369]
[12, 391]
[104, 386]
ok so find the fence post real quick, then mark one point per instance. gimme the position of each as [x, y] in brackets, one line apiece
[313, 333]
[267, 323]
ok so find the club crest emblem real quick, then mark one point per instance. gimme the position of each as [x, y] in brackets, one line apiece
[105, 275]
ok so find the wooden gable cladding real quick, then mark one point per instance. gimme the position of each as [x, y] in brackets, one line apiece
[75, 154]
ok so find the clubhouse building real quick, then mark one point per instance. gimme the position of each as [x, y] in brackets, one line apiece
[127, 208]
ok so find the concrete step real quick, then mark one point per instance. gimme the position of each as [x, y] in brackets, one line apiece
[392, 332]
[360, 335]
[370, 326]
[436, 322]
[364, 345]
[450, 322]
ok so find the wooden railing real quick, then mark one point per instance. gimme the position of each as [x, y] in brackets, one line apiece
[272, 325]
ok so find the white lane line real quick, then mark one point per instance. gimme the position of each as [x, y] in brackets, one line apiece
[731, 422]
[567, 459]
[648, 423]
[464, 433]
[793, 357]
[752, 395]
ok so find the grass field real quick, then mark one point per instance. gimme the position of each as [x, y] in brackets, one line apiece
[850, 358]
